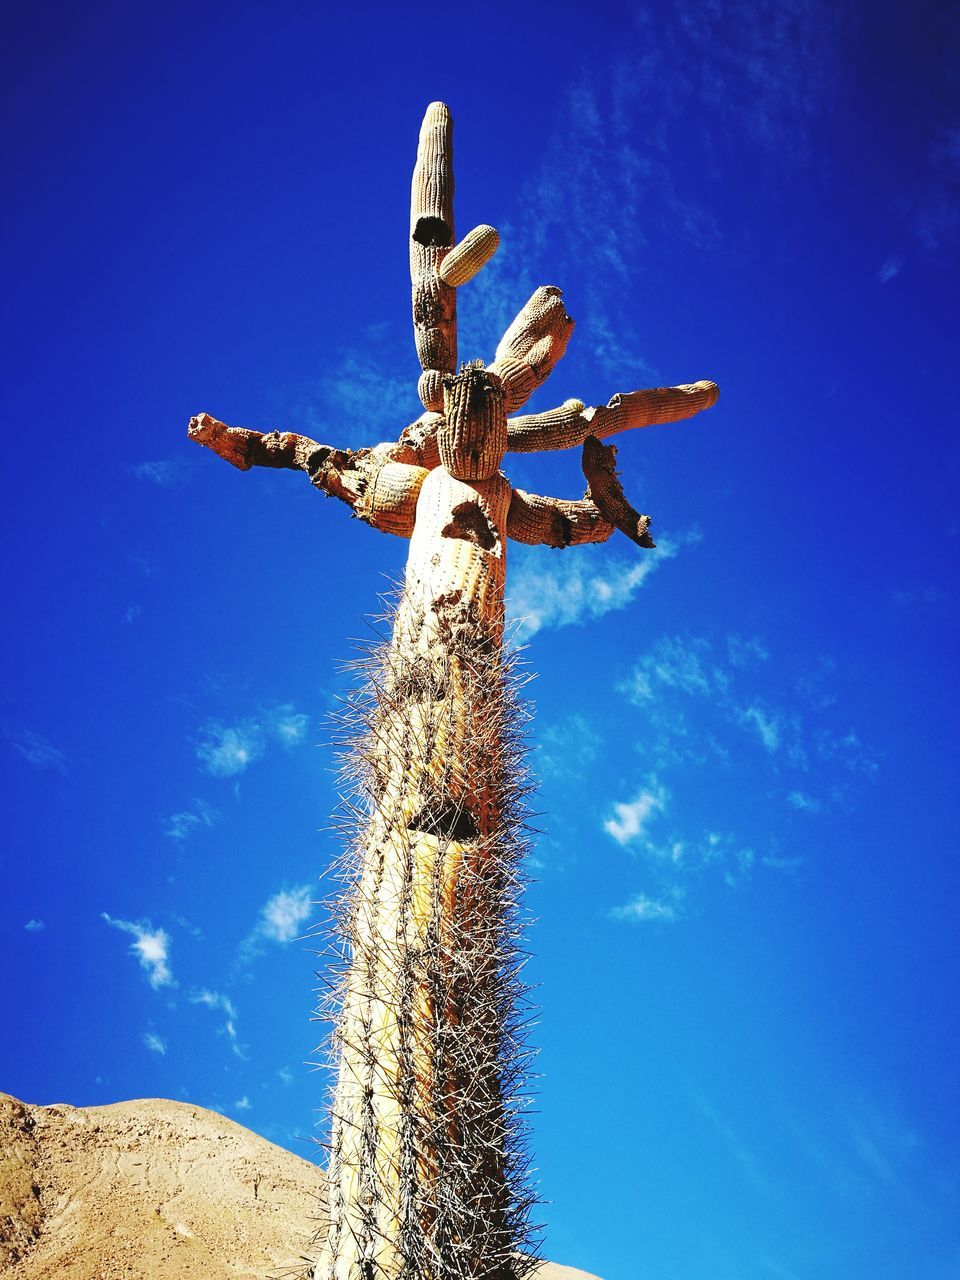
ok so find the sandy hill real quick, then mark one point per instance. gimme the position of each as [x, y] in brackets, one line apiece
[152, 1189]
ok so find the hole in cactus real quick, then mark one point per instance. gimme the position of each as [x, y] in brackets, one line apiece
[444, 819]
[432, 232]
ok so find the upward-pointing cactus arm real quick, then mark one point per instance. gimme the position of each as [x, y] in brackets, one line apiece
[572, 422]
[438, 266]
[379, 484]
[532, 346]
[431, 239]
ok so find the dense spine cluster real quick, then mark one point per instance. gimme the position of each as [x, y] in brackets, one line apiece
[427, 1174]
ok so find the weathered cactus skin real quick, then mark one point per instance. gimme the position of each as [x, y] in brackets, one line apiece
[427, 1172]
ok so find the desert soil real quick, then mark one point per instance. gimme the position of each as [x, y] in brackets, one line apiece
[154, 1189]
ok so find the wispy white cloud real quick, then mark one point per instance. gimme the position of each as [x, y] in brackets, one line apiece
[37, 750]
[695, 699]
[183, 824]
[289, 726]
[609, 189]
[673, 860]
[630, 819]
[762, 72]
[742, 1154]
[803, 802]
[150, 946]
[643, 908]
[745, 651]
[889, 269]
[366, 393]
[675, 663]
[766, 723]
[216, 1000]
[579, 587]
[937, 202]
[34, 926]
[925, 595]
[846, 749]
[681, 675]
[226, 750]
[155, 1043]
[776, 1269]
[284, 915]
[882, 1143]
[568, 748]
[282, 919]
[167, 472]
[242, 1104]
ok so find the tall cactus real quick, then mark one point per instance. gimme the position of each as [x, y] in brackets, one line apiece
[426, 1176]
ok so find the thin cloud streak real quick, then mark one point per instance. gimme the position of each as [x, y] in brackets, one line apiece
[37, 750]
[643, 909]
[217, 1001]
[183, 824]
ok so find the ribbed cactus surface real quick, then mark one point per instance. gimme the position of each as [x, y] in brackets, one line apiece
[426, 1171]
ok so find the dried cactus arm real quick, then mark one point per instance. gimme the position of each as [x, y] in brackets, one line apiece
[572, 422]
[532, 345]
[381, 490]
[244, 449]
[604, 488]
[555, 522]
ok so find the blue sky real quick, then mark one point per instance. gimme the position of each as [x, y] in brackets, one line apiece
[745, 911]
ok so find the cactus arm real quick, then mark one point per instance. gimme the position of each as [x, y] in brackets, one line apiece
[571, 423]
[380, 484]
[532, 345]
[244, 449]
[554, 522]
[470, 256]
[604, 488]
[431, 239]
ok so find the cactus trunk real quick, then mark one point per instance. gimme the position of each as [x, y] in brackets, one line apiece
[424, 1180]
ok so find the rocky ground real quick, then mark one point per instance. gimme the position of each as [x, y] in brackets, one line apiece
[153, 1189]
